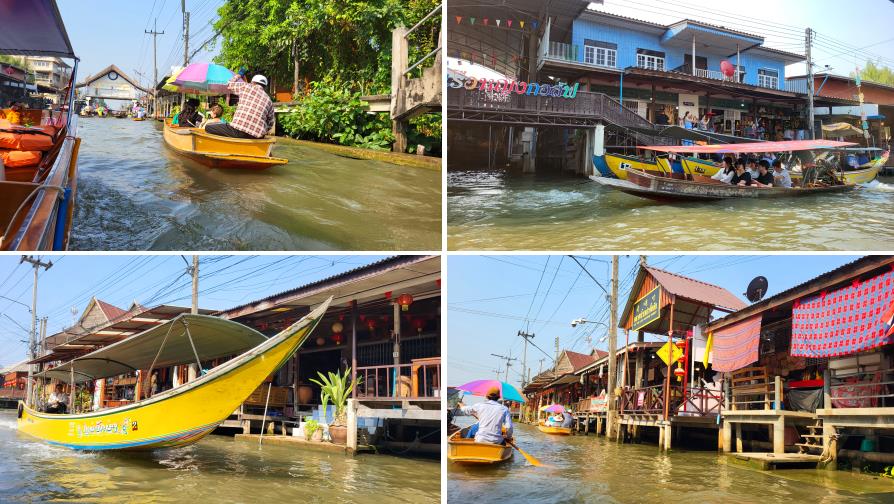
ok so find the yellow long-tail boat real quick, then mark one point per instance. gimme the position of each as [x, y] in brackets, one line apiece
[181, 415]
[466, 451]
[221, 152]
[619, 165]
[695, 166]
[552, 429]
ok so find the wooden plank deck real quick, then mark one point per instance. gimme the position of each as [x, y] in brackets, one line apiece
[769, 461]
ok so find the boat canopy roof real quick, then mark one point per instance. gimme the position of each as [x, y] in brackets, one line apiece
[745, 148]
[680, 133]
[213, 337]
[33, 28]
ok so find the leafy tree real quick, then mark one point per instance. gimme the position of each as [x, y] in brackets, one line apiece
[877, 73]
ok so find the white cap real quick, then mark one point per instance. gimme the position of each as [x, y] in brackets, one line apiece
[259, 79]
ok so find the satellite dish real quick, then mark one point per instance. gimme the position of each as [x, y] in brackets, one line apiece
[756, 289]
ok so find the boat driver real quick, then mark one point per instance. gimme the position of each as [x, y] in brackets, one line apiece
[781, 177]
[57, 401]
[492, 417]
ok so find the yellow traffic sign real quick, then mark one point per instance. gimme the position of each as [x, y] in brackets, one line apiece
[662, 353]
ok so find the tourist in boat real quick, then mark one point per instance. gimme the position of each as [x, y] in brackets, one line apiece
[726, 173]
[764, 177]
[58, 400]
[742, 176]
[751, 167]
[254, 113]
[214, 116]
[189, 117]
[662, 118]
[781, 177]
[492, 417]
[567, 419]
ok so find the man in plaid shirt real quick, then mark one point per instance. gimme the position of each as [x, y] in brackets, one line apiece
[254, 113]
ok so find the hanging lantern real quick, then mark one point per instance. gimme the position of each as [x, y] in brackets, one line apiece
[337, 338]
[405, 300]
[419, 323]
[679, 372]
[338, 327]
[321, 341]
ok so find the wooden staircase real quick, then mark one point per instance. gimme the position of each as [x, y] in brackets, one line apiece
[812, 441]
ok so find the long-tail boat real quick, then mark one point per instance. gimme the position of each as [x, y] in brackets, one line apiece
[37, 196]
[462, 450]
[554, 429]
[181, 415]
[221, 152]
[699, 188]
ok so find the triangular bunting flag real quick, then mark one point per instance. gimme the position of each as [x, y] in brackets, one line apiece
[459, 19]
[472, 20]
[521, 25]
[485, 21]
[498, 22]
[509, 23]
[535, 25]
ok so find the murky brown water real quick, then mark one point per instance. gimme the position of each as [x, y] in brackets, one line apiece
[592, 469]
[216, 469]
[135, 194]
[504, 210]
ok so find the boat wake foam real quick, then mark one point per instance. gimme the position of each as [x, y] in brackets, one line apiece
[9, 424]
[875, 185]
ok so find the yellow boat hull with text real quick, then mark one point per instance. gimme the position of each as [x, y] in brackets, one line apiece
[466, 451]
[619, 165]
[560, 431]
[693, 166]
[176, 417]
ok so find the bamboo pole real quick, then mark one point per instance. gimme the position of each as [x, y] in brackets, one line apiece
[264, 419]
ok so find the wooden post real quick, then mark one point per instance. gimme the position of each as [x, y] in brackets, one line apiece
[777, 393]
[396, 350]
[668, 435]
[667, 379]
[611, 406]
[779, 435]
[353, 347]
[738, 438]
[352, 425]
[827, 389]
[640, 360]
[726, 437]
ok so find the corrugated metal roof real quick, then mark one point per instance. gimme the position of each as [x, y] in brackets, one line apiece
[696, 290]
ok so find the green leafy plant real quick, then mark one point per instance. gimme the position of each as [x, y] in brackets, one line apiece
[310, 426]
[336, 388]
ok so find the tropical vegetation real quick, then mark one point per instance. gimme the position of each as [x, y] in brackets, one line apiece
[336, 388]
[326, 55]
[877, 73]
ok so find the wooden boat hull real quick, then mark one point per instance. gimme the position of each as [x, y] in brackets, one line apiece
[668, 189]
[558, 431]
[176, 417]
[694, 166]
[138, 119]
[863, 176]
[467, 452]
[618, 165]
[221, 152]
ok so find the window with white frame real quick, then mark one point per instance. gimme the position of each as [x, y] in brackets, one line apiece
[650, 61]
[768, 78]
[600, 53]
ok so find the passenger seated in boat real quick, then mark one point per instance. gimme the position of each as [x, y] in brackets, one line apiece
[751, 167]
[254, 113]
[189, 117]
[214, 116]
[726, 173]
[781, 177]
[58, 401]
[742, 177]
[567, 419]
[764, 176]
[492, 417]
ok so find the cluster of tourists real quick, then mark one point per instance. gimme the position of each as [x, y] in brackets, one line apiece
[253, 117]
[765, 172]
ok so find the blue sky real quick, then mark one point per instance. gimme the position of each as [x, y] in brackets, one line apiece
[105, 32]
[224, 282]
[842, 27]
[489, 297]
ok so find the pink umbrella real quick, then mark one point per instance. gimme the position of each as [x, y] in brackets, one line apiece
[554, 408]
[203, 78]
[480, 388]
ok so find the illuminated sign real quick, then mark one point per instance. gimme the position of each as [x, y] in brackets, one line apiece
[507, 86]
[647, 309]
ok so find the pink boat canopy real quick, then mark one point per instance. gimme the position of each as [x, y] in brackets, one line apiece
[745, 148]
[34, 28]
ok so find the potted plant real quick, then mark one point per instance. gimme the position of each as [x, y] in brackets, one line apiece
[313, 431]
[336, 388]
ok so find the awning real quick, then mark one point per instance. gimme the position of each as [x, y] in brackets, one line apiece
[844, 321]
[680, 133]
[745, 148]
[736, 346]
[842, 129]
[213, 337]
[34, 28]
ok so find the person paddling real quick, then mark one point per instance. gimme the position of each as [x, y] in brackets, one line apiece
[492, 417]
[254, 112]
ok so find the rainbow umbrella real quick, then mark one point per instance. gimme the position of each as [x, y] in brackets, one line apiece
[554, 408]
[205, 78]
[480, 388]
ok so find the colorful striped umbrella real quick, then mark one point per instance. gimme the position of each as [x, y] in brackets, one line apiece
[480, 388]
[201, 78]
[554, 408]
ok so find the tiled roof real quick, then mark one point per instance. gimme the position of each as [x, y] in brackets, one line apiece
[111, 312]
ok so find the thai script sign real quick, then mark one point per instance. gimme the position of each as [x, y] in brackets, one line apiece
[99, 427]
[506, 86]
[647, 309]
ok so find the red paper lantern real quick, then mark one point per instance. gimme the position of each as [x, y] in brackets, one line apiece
[336, 338]
[727, 68]
[405, 300]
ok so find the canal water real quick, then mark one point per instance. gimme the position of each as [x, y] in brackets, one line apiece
[592, 469]
[216, 469]
[504, 210]
[135, 194]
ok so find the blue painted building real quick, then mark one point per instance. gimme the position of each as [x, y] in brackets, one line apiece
[677, 68]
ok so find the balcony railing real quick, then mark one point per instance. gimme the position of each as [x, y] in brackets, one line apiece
[591, 405]
[419, 380]
[562, 51]
[649, 400]
[702, 401]
[862, 389]
[12, 393]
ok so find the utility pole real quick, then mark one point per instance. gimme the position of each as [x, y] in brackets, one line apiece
[526, 337]
[541, 365]
[808, 42]
[508, 363]
[612, 343]
[556, 361]
[32, 338]
[642, 260]
[185, 44]
[193, 370]
[155, 35]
